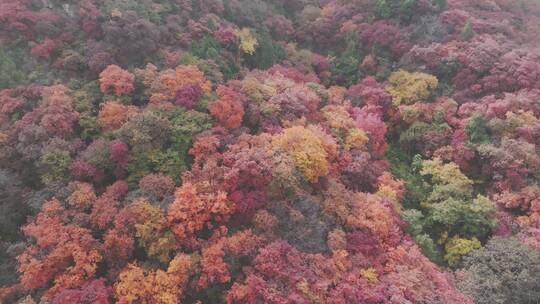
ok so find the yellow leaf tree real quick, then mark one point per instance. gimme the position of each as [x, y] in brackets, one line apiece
[141, 285]
[408, 88]
[248, 41]
[307, 151]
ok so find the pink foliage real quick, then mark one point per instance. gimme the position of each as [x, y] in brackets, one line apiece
[117, 190]
[17, 17]
[374, 127]
[10, 102]
[157, 184]
[280, 26]
[89, 13]
[295, 74]
[247, 203]
[119, 153]
[225, 35]
[82, 170]
[285, 275]
[385, 34]
[45, 48]
[296, 102]
[515, 70]
[188, 96]
[362, 242]
[92, 292]
[531, 238]
[197, 29]
[372, 95]
[106, 206]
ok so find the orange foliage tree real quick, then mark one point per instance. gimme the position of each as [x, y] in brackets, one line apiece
[64, 255]
[228, 108]
[113, 115]
[140, 285]
[58, 115]
[164, 86]
[116, 80]
[192, 209]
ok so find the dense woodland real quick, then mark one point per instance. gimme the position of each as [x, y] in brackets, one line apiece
[270, 151]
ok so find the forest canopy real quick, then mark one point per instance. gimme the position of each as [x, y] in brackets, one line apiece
[269, 151]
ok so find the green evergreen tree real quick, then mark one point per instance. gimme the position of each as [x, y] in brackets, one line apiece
[209, 48]
[477, 131]
[404, 9]
[10, 74]
[268, 52]
[441, 4]
[467, 32]
[344, 68]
